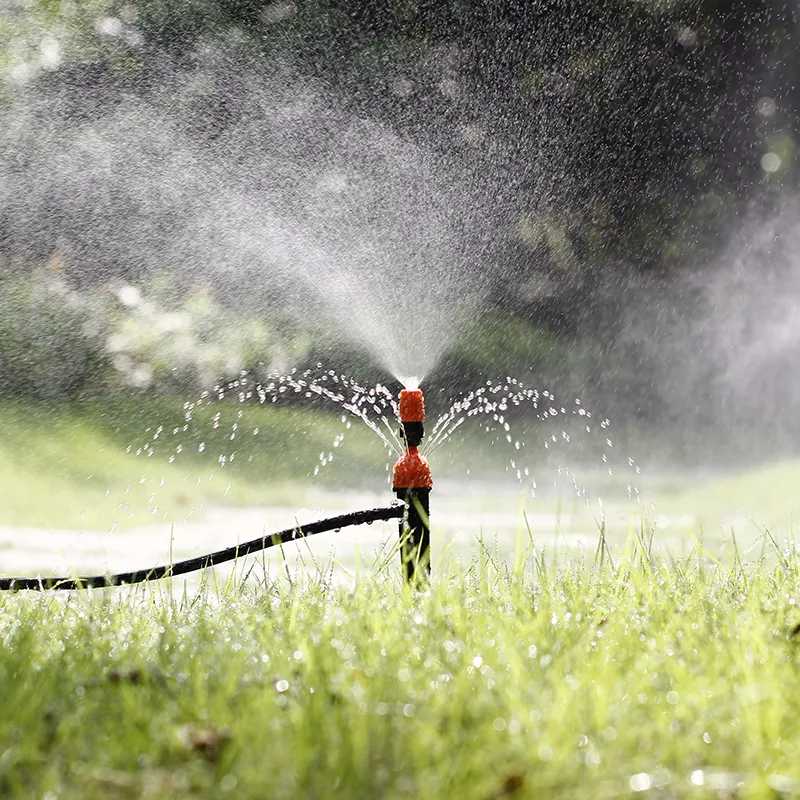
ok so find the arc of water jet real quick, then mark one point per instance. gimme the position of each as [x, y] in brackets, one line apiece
[439, 441]
[399, 445]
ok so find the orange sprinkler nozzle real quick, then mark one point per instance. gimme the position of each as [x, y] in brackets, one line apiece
[412, 472]
[412, 405]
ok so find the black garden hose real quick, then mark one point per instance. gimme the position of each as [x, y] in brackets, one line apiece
[208, 560]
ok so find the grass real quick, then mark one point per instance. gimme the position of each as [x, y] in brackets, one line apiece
[102, 464]
[632, 676]
[677, 680]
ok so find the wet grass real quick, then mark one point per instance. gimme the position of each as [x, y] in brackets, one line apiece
[646, 679]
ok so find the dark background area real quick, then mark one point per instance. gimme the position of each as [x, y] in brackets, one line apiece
[625, 150]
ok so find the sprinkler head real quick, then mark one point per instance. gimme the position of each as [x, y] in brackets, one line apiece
[412, 470]
[412, 483]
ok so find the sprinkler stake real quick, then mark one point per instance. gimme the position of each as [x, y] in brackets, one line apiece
[412, 483]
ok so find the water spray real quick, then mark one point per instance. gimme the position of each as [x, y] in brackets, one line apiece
[412, 483]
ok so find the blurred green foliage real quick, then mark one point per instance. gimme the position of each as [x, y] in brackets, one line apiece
[57, 341]
[497, 344]
[51, 336]
[174, 339]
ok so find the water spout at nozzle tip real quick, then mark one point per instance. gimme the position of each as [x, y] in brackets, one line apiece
[411, 383]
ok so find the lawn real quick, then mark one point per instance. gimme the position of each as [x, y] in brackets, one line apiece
[660, 675]
[118, 462]
[121, 462]
[759, 497]
[645, 679]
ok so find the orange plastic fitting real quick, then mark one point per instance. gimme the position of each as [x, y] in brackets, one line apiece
[412, 405]
[412, 472]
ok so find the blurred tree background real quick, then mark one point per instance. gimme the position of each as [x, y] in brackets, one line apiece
[627, 142]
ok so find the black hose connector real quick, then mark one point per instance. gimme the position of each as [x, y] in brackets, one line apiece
[412, 433]
[415, 535]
